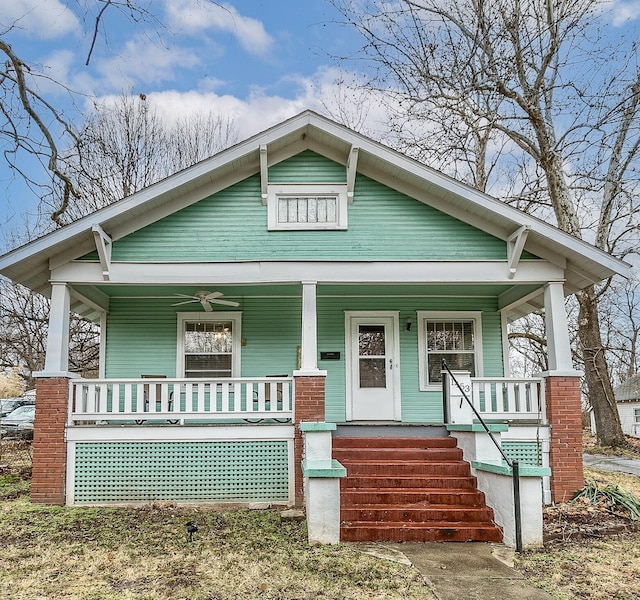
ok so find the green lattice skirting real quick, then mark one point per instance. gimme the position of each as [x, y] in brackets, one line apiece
[223, 471]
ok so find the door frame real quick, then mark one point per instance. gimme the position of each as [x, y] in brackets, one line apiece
[349, 316]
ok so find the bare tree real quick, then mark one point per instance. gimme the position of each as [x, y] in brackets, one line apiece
[620, 321]
[125, 146]
[32, 127]
[530, 75]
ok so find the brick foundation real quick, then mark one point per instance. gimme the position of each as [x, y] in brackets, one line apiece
[309, 407]
[48, 475]
[565, 451]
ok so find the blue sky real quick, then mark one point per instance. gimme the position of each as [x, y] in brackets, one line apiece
[258, 61]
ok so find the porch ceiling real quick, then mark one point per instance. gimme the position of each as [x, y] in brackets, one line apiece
[90, 301]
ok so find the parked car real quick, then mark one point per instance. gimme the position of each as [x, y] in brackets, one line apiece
[8, 405]
[19, 423]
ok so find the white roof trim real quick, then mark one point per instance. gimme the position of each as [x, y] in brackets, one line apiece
[587, 263]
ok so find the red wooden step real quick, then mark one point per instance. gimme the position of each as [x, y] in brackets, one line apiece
[410, 490]
[352, 497]
[393, 442]
[398, 513]
[416, 454]
[461, 482]
[419, 532]
[393, 468]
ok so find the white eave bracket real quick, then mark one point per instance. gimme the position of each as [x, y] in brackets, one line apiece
[515, 246]
[352, 164]
[264, 174]
[103, 246]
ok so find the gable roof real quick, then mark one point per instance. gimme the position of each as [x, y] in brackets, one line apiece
[628, 390]
[583, 263]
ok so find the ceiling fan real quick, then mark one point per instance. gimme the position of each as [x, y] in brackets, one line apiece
[206, 299]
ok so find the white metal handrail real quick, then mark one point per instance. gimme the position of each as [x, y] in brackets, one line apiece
[509, 399]
[178, 399]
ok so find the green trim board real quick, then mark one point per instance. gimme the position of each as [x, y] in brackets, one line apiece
[323, 469]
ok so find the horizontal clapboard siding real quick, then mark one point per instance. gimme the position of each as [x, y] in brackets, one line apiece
[307, 167]
[142, 336]
[142, 339]
[232, 225]
[417, 406]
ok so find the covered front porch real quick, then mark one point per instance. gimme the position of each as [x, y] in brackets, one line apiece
[289, 361]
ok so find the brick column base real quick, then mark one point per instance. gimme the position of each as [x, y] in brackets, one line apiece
[309, 407]
[48, 475]
[565, 452]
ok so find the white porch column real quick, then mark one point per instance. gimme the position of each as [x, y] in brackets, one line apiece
[57, 359]
[309, 349]
[555, 316]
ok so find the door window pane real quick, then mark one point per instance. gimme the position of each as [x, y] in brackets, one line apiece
[371, 340]
[373, 373]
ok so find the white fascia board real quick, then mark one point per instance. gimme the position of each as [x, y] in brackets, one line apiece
[479, 272]
[195, 177]
[478, 209]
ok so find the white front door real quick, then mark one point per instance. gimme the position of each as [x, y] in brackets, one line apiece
[373, 367]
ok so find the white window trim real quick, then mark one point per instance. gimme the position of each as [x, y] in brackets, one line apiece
[234, 316]
[293, 190]
[428, 315]
[636, 415]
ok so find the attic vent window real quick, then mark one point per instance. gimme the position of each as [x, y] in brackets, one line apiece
[315, 206]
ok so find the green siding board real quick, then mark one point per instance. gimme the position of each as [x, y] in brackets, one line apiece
[307, 167]
[142, 339]
[232, 225]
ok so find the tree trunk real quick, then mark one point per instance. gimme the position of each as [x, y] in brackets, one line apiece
[608, 429]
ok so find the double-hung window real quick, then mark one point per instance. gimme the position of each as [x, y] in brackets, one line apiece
[454, 337]
[636, 415]
[209, 345]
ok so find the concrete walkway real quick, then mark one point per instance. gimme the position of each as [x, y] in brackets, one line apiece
[464, 570]
[612, 463]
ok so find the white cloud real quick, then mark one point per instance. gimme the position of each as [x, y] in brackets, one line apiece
[196, 17]
[45, 19]
[324, 92]
[623, 12]
[141, 62]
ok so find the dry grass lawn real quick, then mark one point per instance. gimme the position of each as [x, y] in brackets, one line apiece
[144, 553]
[597, 565]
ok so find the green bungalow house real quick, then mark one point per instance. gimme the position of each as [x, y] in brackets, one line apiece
[306, 275]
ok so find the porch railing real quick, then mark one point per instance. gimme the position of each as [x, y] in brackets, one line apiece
[180, 400]
[509, 399]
